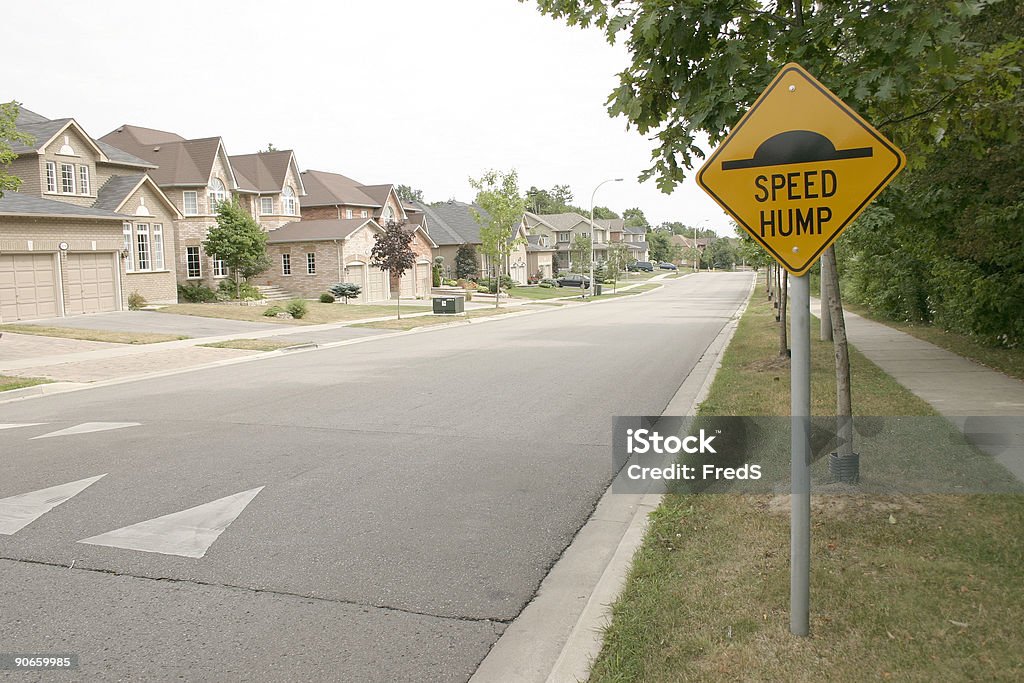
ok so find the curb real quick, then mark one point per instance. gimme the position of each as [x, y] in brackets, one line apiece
[565, 606]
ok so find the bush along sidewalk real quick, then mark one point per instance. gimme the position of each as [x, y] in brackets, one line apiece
[921, 587]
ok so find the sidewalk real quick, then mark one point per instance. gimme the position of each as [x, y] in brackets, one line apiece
[954, 386]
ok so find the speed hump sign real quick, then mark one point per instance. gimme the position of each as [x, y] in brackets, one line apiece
[798, 168]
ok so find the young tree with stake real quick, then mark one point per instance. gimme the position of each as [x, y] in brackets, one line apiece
[393, 254]
[502, 207]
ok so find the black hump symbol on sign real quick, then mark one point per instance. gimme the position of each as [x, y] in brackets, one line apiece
[796, 147]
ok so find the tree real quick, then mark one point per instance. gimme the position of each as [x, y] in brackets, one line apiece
[392, 252]
[270, 148]
[346, 291]
[9, 134]
[466, 263]
[635, 218]
[618, 259]
[720, 254]
[408, 194]
[555, 263]
[555, 200]
[580, 254]
[502, 207]
[437, 271]
[239, 241]
[661, 246]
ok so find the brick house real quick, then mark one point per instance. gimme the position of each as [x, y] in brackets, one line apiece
[197, 174]
[311, 255]
[561, 229]
[452, 224]
[85, 230]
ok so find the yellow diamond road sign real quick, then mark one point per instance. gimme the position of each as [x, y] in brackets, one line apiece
[798, 168]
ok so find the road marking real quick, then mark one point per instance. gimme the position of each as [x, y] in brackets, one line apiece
[189, 533]
[19, 511]
[23, 424]
[89, 427]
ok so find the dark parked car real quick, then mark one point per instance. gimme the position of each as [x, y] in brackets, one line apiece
[667, 266]
[574, 280]
[641, 265]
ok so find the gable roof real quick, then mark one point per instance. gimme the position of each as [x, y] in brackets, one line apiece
[118, 189]
[533, 244]
[559, 221]
[319, 230]
[18, 204]
[452, 222]
[178, 161]
[616, 224]
[333, 189]
[265, 171]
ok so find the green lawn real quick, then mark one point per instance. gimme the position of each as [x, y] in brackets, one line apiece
[921, 588]
[251, 344]
[92, 335]
[318, 313]
[427, 320]
[9, 383]
[541, 293]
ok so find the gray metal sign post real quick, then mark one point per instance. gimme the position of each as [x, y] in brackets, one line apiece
[800, 498]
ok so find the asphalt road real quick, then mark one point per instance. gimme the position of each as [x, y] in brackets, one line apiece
[416, 490]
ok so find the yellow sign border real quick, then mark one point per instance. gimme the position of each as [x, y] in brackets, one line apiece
[901, 162]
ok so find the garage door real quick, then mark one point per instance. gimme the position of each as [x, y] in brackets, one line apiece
[377, 288]
[89, 283]
[424, 279]
[357, 276]
[28, 287]
[408, 289]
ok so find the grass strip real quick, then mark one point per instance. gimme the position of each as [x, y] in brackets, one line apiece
[251, 344]
[917, 588]
[10, 383]
[93, 335]
[428, 320]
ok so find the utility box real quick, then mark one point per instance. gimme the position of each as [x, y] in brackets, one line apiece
[597, 289]
[449, 305]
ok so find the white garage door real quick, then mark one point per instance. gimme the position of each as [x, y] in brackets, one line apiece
[89, 283]
[28, 287]
[424, 279]
[377, 289]
[357, 276]
[408, 289]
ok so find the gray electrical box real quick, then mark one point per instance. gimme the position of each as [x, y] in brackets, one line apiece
[449, 304]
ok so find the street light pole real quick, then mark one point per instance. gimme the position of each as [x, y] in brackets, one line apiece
[592, 195]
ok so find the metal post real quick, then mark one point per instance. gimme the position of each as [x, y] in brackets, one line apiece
[800, 410]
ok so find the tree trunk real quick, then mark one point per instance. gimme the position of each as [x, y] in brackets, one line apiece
[768, 280]
[783, 340]
[844, 403]
[826, 311]
[238, 287]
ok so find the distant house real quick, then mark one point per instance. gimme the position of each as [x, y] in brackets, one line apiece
[198, 174]
[87, 228]
[452, 224]
[561, 229]
[539, 253]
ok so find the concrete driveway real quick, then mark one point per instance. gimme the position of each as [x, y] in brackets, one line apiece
[160, 323]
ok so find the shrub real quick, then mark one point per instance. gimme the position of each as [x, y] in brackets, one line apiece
[483, 289]
[196, 293]
[549, 282]
[326, 298]
[545, 285]
[346, 290]
[297, 307]
[273, 311]
[451, 283]
[136, 301]
[226, 291]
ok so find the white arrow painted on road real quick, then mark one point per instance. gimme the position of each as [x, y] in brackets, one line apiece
[89, 427]
[189, 533]
[23, 424]
[19, 511]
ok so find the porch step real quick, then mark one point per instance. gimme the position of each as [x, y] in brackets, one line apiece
[273, 293]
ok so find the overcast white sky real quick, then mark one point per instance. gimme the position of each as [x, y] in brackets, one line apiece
[424, 93]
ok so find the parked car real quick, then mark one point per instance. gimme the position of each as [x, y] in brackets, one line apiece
[641, 265]
[574, 280]
[664, 265]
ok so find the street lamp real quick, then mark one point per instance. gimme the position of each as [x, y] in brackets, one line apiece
[592, 195]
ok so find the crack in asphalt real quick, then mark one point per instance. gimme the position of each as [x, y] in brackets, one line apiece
[251, 589]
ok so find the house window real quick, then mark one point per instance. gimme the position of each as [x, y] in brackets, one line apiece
[190, 200]
[564, 236]
[288, 199]
[348, 213]
[216, 193]
[193, 262]
[266, 206]
[388, 214]
[83, 179]
[363, 214]
[311, 263]
[158, 246]
[142, 240]
[67, 178]
[129, 247]
[286, 264]
[220, 268]
[51, 176]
